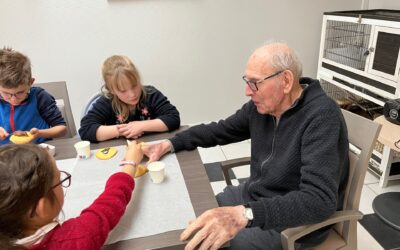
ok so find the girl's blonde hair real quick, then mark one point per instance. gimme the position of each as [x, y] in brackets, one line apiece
[114, 69]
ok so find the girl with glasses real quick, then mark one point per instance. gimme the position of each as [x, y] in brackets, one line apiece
[32, 198]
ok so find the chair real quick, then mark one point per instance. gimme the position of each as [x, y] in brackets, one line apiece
[90, 103]
[60, 93]
[362, 136]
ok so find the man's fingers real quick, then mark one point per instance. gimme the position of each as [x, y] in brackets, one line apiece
[197, 239]
[217, 244]
[209, 240]
[194, 226]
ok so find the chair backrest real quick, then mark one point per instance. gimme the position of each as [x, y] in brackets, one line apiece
[362, 137]
[90, 103]
[59, 91]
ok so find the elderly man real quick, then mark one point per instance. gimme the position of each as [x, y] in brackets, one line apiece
[299, 158]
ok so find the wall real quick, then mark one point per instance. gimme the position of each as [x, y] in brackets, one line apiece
[384, 4]
[194, 51]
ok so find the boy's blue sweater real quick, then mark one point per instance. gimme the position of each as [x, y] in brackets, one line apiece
[39, 111]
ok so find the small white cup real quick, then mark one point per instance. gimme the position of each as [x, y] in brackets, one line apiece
[50, 148]
[156, 171]
[83, 149]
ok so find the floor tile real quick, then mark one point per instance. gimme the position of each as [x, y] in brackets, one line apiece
[214, 172]
[242, 172]
[213, 154]
[365, 241]
[393, 186]
[218, 186]
[236, 150]
[367, 196]
[370, 178]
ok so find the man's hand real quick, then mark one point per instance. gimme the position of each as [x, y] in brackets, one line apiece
[155, 151]
[214, 227]
[3, 133]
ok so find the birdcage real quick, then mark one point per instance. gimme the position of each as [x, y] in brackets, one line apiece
[347, 43]
[360, 53]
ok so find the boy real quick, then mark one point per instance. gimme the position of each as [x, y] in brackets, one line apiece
[23, 107]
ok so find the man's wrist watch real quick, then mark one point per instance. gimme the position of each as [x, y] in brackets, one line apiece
[248, 214]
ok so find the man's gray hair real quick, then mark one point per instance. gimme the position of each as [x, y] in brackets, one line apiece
[283, 59]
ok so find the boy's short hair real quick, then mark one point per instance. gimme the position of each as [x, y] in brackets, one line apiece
[15, 68]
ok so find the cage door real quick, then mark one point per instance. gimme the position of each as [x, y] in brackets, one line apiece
[385, 61]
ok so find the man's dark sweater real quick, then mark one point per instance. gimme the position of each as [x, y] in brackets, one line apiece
[299, 165]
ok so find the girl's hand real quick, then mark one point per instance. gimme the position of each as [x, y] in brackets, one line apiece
[131, 130]
[3, 133]
[134, 152]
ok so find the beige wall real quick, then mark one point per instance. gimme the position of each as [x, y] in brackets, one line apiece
[384, 4]
[193, 50]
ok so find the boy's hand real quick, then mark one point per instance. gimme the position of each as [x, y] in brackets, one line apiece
[3, 133]
[34, 132]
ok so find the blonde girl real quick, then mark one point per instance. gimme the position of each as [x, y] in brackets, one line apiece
[127, 107]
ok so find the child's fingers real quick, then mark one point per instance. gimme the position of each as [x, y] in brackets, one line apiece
[3, 133]
[34, 131]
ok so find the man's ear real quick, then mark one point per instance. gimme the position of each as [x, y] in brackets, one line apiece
[288, 80]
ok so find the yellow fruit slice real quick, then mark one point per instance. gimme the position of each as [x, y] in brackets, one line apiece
[21, 139]
[106, 153]
[141, 170]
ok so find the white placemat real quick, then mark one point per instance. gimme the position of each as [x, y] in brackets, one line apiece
[153, 209]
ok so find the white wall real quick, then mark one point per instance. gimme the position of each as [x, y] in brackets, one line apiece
[194, 51]
[384, 4]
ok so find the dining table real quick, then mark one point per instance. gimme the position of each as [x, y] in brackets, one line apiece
[194, 174]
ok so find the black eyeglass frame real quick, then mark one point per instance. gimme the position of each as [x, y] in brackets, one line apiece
[253, 84]
[62, 182]
[19, 95]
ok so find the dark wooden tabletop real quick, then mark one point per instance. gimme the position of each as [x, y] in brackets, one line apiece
[197, 183]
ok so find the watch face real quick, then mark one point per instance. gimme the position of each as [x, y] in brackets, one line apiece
[249, 213]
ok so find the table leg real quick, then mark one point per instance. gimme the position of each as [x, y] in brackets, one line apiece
[386, 164]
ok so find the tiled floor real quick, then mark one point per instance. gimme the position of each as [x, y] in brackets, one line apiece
[370, 190]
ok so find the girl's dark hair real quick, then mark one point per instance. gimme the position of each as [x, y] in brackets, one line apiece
[26, 175]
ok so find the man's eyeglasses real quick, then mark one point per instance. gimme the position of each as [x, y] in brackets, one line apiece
[18, 95]
[253, 84]
[65, 179]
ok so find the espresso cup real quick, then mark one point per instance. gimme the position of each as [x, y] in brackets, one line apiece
[82, 149]
[156, 171]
